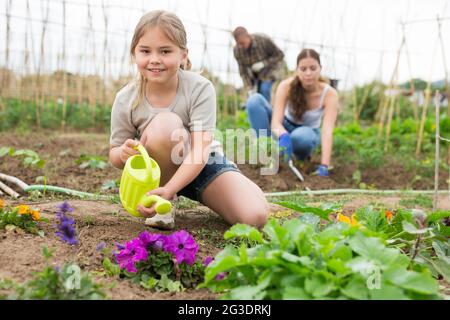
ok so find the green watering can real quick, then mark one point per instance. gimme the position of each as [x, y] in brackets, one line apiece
[140, 175]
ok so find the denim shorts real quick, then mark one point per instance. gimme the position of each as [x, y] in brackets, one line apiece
[217, 164]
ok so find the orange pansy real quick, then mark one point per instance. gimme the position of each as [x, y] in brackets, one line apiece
[23, 209]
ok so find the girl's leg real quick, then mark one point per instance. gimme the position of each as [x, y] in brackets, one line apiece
[237, 199]
[165, 135]
[259, 113]
[304, 141]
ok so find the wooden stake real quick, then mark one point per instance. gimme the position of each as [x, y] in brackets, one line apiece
[389, 123]
[424, 118]
[64, 71]
[437, 156]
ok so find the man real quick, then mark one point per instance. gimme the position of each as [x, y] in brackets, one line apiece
[260, 61]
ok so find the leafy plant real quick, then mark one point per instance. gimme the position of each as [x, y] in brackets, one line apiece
[93, 162]
[295, 260]
[21, 216]
[53, 283]
[29, 157]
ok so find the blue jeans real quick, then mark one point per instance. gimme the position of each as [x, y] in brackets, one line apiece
[217, 164]
[264, 87]
[304, 139]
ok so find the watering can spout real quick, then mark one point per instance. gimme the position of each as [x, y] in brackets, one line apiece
[141, 174]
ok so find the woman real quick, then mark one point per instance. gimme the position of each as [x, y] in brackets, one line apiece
[302, 104]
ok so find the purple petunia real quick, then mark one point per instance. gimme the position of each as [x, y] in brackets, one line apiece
[182, 246]
[154, 240]
[66, 225]
[207, 261]
[133, 252]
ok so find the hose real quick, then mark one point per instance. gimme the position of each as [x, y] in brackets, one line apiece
[270, 194]
[71, 192]
[350, 191]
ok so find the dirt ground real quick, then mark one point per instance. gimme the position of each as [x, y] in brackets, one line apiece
[97, 221]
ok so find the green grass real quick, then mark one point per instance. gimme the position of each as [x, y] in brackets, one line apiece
[420, 201]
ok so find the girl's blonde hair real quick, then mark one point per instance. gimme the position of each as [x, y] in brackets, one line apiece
[172, 27]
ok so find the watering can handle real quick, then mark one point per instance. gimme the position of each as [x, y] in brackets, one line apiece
[162, 206]
[145, 155]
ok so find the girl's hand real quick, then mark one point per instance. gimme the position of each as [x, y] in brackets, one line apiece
[127, 149]
[163, 192]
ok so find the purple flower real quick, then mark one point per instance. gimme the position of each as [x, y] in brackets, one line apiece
[66, 228]
[100, 246]
[119, 246]
[220, 276]
[207, 261]
[65, 207]
[133, 252]
[182, 246]
[154, 240]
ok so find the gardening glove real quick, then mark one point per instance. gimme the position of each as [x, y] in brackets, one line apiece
[285, 144]
[258, 66]
[321, 171]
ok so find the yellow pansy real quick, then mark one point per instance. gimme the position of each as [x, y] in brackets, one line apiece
[23, 209]
[340, 217]
[352, 221]
[36, 215]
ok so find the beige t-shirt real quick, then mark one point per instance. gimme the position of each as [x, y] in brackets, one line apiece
[194, 103]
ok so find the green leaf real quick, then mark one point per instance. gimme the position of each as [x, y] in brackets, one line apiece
[276, 233]
[251, 292]
[374, 250]
[27, 152]
[388, 292]
[441, 267]
[442, 250]
[322, 213]
[356, 288]
[243, 231]
[318, 286]
[412, 280]
[227, 259]
[412, 229]
[339, 267]
[247, 293]
[342, 252]
[6, 151]
[438, 215]
[295, 293]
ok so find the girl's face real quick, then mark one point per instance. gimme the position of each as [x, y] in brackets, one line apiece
[157, 57]
[308, 71]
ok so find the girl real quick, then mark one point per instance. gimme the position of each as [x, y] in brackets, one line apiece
[301, 102]
[173, 112]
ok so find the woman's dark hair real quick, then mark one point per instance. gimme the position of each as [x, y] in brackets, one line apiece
[297, 95]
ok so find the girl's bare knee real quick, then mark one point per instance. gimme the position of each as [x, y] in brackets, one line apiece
[256, 215]
[166, 129]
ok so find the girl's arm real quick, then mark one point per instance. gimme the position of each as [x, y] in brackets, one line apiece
[329, 120]
[119, 155]
[278, 108]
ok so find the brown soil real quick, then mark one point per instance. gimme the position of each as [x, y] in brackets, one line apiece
[97, 221]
